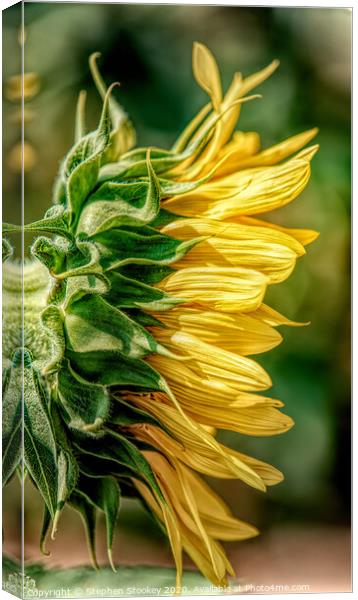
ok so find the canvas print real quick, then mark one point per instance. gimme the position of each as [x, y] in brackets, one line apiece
[176, 299]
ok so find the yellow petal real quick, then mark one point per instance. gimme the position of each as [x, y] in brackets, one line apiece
[196, 448]
[186, 229]
[166, 514]
[242, 334]
[214, 363]
[260, 420]
[303, 236]
[266, 250]
[203, 164]
[219, 288]
[242, 146]
[238, 89]
[268, 157]
[206, 73]
[270, 475]
[256, 79]
[227, 124]
[193, 504]
[248, 192]
[272, 317]
[190, 129]
[219, 521]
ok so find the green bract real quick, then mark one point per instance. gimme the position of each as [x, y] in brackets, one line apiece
[88, 295]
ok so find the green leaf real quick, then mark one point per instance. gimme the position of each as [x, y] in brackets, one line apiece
[88, 512]
[110, 330]
[104, 494]
[85, 405]
[39, 442]
[12, 418]
[117, 204]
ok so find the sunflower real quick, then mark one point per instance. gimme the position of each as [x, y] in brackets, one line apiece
[142, 305]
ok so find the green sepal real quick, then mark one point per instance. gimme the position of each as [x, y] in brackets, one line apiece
[128, 453]
[186, 135]
[52, 320]
[123, 413]
[143, 318]
[176, 188]
[67, 476]
[144, 245]
[46, 522]
[119, 450]
[81, 167]
[164, 217]
[55, 221]
[83, 260]
[67, 467]
[80, 119]
[114, 369]
[118, 204]
[132, 164]
[151, 275]
[104, 494]
[85, 405]
[97, 465]
[59, 188]
[130, 293]
[40, 451]
[111, 330]
[79, 286]
[11, 418]
[88, 512]
[123, 135]
[52, 253]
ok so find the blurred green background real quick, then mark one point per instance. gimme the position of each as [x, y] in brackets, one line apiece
[148, 49]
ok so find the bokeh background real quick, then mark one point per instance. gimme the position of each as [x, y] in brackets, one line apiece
[148, 49]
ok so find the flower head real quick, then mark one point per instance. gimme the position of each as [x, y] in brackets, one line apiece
[146, 304]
